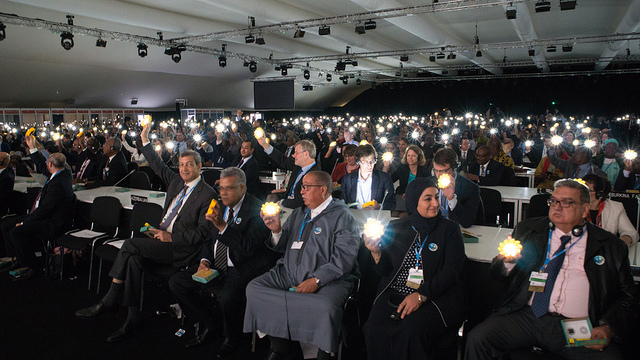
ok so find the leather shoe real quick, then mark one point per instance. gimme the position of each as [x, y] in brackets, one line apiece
[126, 329]
[199, 339]
[227, 347]
[94, 311]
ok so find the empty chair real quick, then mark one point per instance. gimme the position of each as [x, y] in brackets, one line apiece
[156, 182]
[538, 205]
[480, 218]
[492, 203]
[210, 176]
[140, 180]
[132, 166]
[508, 177]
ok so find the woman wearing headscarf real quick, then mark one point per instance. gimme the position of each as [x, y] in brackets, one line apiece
[419, 260]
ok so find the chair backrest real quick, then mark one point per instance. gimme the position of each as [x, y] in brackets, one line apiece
[156, 181]
[538, 205]
[508, 177]
[140, 180]
[492, 202]
[105, 214]
[144, 212]
[480, 218]
[210, 176]
[132, 166]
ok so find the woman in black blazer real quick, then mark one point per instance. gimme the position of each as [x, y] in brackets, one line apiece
[413, 166]
[420, 296]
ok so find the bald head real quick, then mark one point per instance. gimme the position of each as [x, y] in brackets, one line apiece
[57, 161]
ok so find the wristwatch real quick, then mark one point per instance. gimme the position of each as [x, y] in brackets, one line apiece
[318, 282]
[421, 298]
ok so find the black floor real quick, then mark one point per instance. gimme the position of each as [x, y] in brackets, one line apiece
[37, 322]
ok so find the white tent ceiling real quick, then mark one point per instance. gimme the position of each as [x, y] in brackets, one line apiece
[38, 72]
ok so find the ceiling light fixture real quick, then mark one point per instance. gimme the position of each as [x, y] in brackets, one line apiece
[511, 12]
[3, 33]
[66, 40]
[568, 4]
[175, 52]
[283, 70]
[551, 48]
[328, 77]
[360, 29]
[222, 61]
[306, 74]
[253, 66]
[451, 56]
[298, 34]
[260, 39]
[341, 66]
[324, 30]
[101, 43]
[249, 39]
[543, 6]
[142, 50]
[567, 48]
[370, 25]
[404, 57]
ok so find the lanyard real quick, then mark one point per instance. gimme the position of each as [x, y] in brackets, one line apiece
[608, 165]
[305, 222]
[547, 259]
[183, 196]
[419, 252]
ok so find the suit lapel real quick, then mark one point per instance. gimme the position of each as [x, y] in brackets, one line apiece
[374, 184]
[354, 186]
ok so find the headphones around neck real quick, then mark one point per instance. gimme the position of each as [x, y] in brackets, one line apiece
[577, 230]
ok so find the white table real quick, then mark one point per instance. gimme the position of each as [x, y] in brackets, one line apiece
[88, 195]
[22, 183]
[529, 174]
[517, 196]
[269, 180]
[488, 240]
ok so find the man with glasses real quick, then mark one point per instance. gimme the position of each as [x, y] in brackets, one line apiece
[568, 268]
[303, 161]
[235, 248]
[460, 200]
[302, 297]
[368, 184]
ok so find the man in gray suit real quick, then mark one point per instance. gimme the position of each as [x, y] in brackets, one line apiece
[175, 242]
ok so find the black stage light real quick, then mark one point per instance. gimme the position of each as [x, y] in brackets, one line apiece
[567, 48]
[370, 25]
[307, 87]
[66, 40]
[358, 82]
[345, 80]
[3, 33]
[532, 52]
[440, 55]
[222, 61]
[451, 56]
[298, 34]
[324, 30]
[142, 50]
[354, 62]
[134, 101]
[283, 70]
[328, 77]
[176, 57]
[260, 40]
[511, 13]
[432, 58]
[249, 39]
[478, 53]
[360, 29]
[543, 6]
[245, 63]
[101, 43]
[253, 66]
[568, 4]
[551, 48]
[306, 74]
[404, 57]
[340, 66]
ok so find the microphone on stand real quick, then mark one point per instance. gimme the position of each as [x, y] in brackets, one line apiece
[126, 176]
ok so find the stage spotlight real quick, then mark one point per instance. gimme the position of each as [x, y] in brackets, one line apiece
[360, 29]
[176, 57]
[328, 77]
[175, 52]
[370, 25]
[101, 43]
[511, 13]
[358, 82]
[253, 66]
[249, 39]
[451, 56]
[567, 48]
[440, 55]
[404, 57]
[283, 70]
[354, 62]
[298, 34]
[260, 40]
[142, 50]
[66, 40]
[345, 80]
[532, 52]
[3, 33]
[478, 53]
[341, 66]
[432, 58]
[551, 48]
[222, 61]
[324, 30]
[543, 6]
[568, 4]
[306, 74]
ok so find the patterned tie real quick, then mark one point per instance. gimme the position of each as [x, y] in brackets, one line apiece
[540, 304]
[83, 168]
[483, 171]
[174, 211]
[220, 258]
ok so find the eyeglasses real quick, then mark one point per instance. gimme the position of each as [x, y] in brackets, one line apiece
[565, 203]
[368, 163]
[438, 172]
[306, 187]
[226, 189]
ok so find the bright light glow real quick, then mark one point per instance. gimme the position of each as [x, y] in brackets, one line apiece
[445, 137]
[455, 131]
[373, 228]
[556, 140]
[124, 132]
[388, 156]
[508, 123]
[364, 142]
[576, 142]
[630, 155]
[258, 133]
[510, 247]
[270, 209]
[528, 143]
[333, 144]
[197, 137]
[493, 131]
[170, 145]
[444, 181]
[415, 134]
[589, 143]
[384, 140]
[132, 133]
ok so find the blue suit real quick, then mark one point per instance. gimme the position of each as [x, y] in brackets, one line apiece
[381, 184]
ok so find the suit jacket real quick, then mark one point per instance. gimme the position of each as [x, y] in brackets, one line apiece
[466, 209]
[402, 174]
[381, 185]
[625, 183]
[56, 197]
[190, 228]
[250, 169]
[612, 293]
[245, 238]
[7, 179]
[114, 172]
[569, 168]
[288, 163]
[464, 163]
[494, 173]
[93, 170]
[516, 155]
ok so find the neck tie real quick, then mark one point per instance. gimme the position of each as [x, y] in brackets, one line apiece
[241, 163]
[83, 168]
[174, 211]
[464, 155]
[540, 304]
[220, 258]
[483, 170]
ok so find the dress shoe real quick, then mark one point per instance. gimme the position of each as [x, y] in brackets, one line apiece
[94, 311]
[29, 274]
[125, 330]
[227, 347]
[199, 339]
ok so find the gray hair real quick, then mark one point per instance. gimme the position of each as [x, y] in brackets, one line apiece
[309, 146]
[117, 144]
[323, 178]
[234, 171]
[58, 160]
[195, 154]
[585, 195]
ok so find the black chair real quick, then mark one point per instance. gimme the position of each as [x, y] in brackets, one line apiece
[143, 212]
[492, 203]
[49, 237]
[156, 182]
[105, 219]
[140, 180]
[132, 166]
[538, 205]
[508, 177]
[210, 176]
[480, 218]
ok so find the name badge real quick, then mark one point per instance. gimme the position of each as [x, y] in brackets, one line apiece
[292, 196]
[415, 278]
[297, 245]
[537, 281]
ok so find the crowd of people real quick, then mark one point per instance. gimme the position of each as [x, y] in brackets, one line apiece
[290, 280]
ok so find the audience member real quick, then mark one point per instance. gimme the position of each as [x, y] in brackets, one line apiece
[460, 200]
[248, 163]
[578, 166]
[7, 179]
[485, 171]
[368, 184]
[467, 155]
[349, 165]
[412, 167]
[629, 177]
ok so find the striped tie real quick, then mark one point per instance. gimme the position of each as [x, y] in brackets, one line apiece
[220, 258]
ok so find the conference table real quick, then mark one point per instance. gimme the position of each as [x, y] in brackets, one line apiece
[122, 194]
[528, 173]
[517, 196]
[22, 183]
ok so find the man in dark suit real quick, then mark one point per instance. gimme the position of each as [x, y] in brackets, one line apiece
[578, 166]
[460, 200]
[88, 162]
[586, 272]
[7, 179]
[49, 213]
[113, 166]
[248, 163]
[368, 184]
[176, 242]
[467, 156]
[628, 177]
[234, 247]
[303, 161]
[485, 171]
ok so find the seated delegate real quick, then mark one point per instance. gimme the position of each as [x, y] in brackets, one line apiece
[368, 184]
